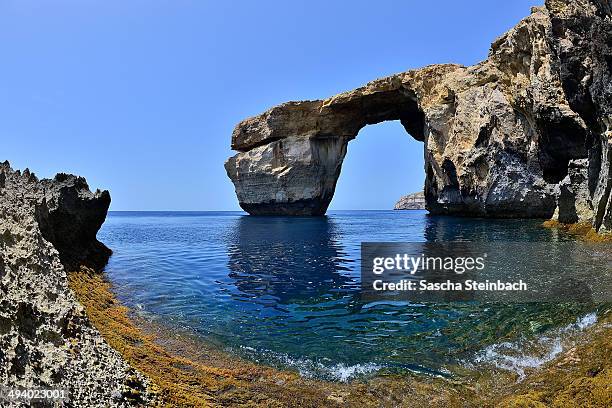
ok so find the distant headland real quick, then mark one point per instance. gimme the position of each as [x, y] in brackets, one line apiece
[414, 201]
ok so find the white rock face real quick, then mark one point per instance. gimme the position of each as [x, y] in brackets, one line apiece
[414, 201]
[299, 175]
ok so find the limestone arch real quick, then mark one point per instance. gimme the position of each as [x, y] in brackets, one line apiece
[297, 149]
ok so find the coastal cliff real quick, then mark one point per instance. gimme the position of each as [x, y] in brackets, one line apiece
[501, 138]
[48, 228]
[415, 201]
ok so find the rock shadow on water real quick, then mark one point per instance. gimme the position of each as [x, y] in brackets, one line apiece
[446, 228]
[288, 260]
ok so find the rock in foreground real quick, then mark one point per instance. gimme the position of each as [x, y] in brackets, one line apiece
[46, 339]
[414, 201]
[499, 137]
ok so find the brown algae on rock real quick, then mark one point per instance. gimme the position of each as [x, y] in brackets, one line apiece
[583, 231]
[187, 372]
[580, 377]
[212, 378]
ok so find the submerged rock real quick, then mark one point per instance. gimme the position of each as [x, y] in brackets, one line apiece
[414, 201]
[48, 227]
[498, 136]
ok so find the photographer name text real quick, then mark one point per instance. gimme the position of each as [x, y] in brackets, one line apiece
[467, 285]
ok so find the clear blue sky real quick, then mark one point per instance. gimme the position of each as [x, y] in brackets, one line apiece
[141, 97]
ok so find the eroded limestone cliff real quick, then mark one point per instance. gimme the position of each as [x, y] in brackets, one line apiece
[500, 137]
[46, 340]
[414, 201]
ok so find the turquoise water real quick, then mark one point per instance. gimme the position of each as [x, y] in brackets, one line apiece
[285, 290]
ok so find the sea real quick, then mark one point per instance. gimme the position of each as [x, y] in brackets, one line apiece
[286, 292]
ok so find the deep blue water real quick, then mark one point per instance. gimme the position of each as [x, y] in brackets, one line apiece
[285, 290]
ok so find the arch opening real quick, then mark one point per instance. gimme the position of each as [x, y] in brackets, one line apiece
[381, 167]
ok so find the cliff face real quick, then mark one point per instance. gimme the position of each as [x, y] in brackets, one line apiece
[499, 137]
[415, 201]
[46, 340]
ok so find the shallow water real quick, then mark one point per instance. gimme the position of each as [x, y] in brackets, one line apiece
[285, 290]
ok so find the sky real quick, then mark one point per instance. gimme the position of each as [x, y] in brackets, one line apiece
[140, 97]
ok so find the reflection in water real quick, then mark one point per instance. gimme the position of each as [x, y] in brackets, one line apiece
[285, 260]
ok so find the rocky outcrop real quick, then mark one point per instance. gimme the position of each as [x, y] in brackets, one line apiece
[498, 136]
[414, 201]
[600, 181]
[573, 198]
[582, 43]
[46, 340]
[69, 216]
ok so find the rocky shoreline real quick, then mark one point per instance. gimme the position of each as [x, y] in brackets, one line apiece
[48, 228]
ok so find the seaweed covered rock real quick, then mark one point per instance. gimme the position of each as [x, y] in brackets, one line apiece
[46, 339]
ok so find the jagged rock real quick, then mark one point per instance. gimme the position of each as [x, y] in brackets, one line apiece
[573, 197]
[498, 136]
[69, 216]
[46, 339]
[414, 201]
[583, 44]
[600, 181]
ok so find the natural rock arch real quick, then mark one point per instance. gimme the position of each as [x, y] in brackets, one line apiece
[296, 149]
[498, 136]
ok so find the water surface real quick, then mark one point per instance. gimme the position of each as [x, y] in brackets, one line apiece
[285, 290]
